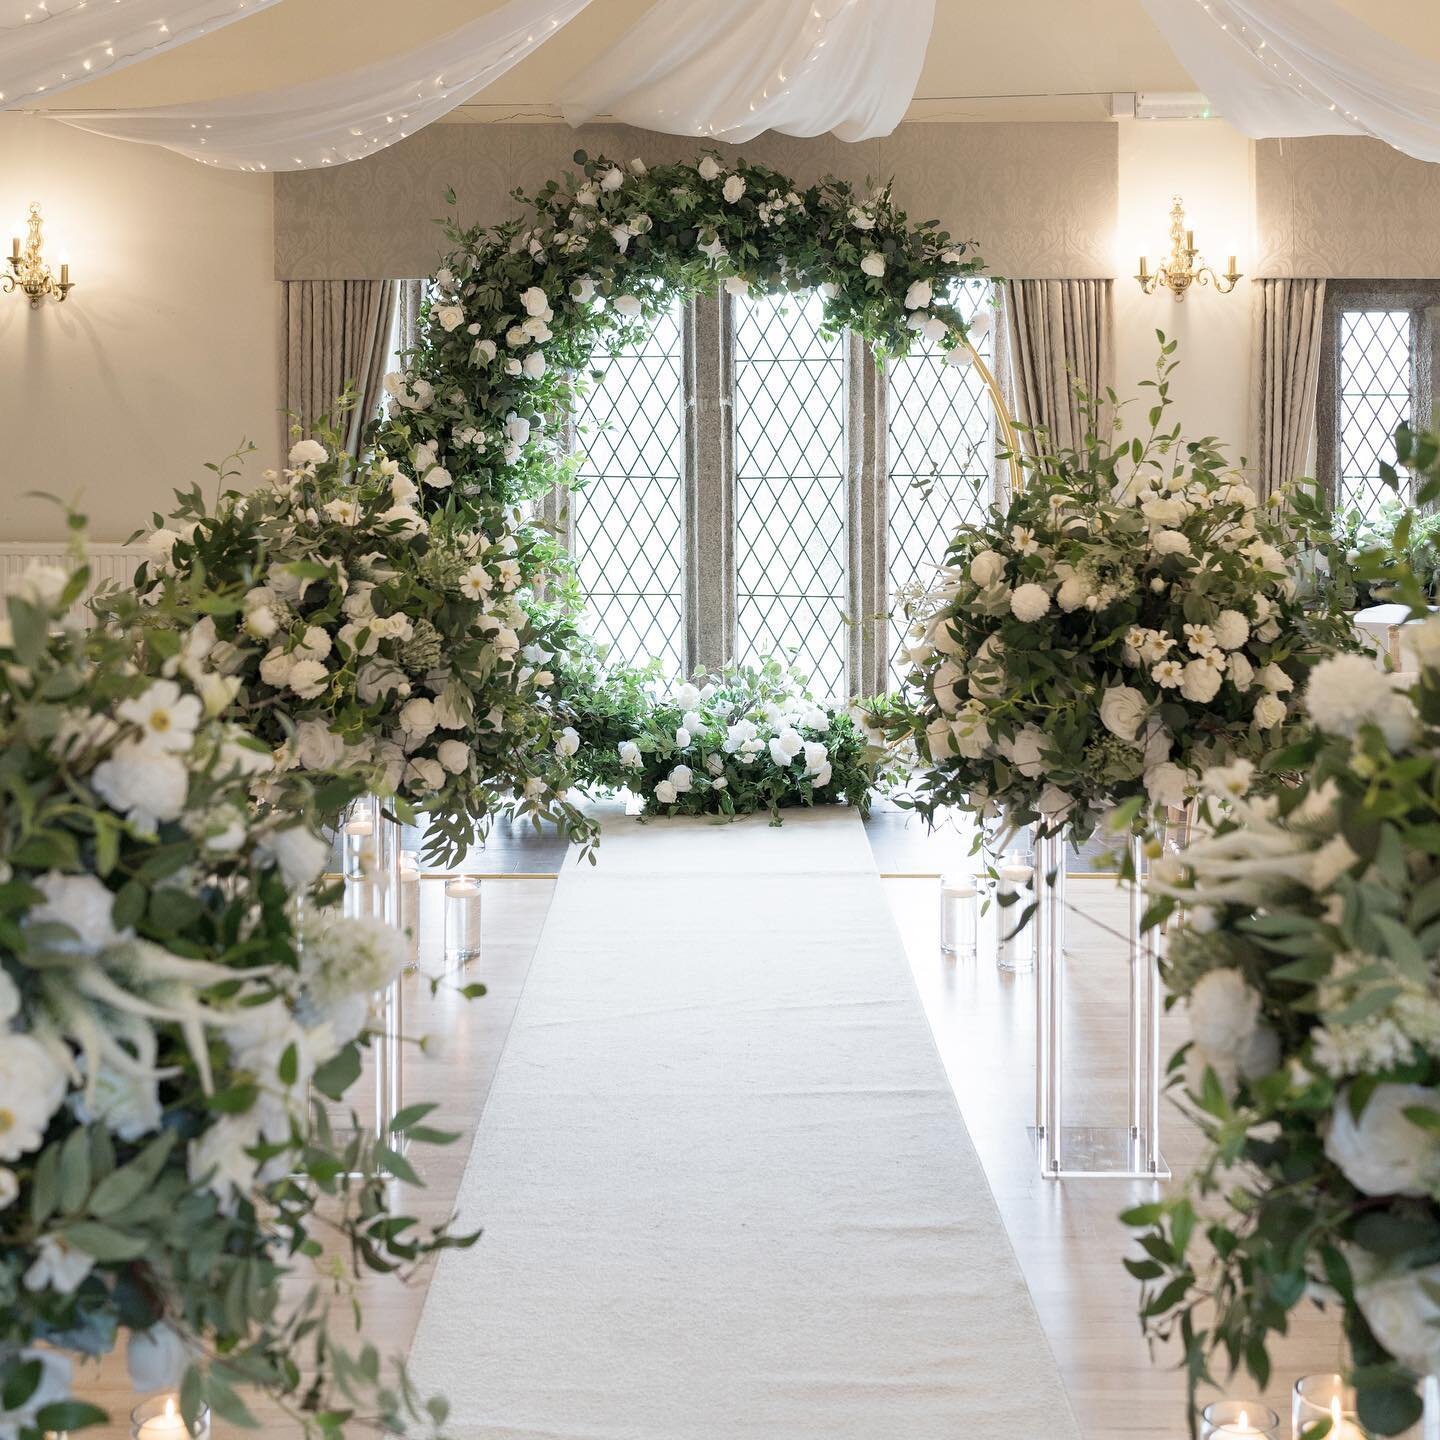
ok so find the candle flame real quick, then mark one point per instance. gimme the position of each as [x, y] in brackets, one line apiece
[1244, 1421]
[169, 1408]
[1335, 1417]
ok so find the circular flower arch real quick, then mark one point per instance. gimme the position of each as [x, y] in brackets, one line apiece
[519, 309]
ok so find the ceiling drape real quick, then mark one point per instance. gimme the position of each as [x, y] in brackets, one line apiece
[46, 46]
[1280, 68]
[342, 117]
[731, 69]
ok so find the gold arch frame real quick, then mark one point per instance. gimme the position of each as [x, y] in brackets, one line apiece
[1008, 431]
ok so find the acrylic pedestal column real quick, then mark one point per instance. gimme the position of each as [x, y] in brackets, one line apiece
[371, 842]
[1130, 1148]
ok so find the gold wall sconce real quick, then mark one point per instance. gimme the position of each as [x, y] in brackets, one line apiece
[1183, 267]
[28, 273]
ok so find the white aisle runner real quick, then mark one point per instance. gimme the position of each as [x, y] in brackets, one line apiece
[725, 1188]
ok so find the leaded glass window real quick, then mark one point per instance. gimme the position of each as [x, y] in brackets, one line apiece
[629, 517]
[790, 488]
[1376, 371]
[940, 447]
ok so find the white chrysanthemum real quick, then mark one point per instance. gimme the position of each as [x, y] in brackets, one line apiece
[1167, 783]
[1170, 542]
[1029, 602]
[454, 755]
[1231, 629]
[1347, 691]
[1382, 1152]
[1223, 1011]
[308, 679]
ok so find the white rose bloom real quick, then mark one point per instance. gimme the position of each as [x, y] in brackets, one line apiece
[873, 263]
[424, 775]
[145, 785]
[666, 793]
[612, 179]
[1241, 671]
[737, 285]
[1269, 712]
[1029, 602]
[919, 295]
[682, 737]
[1201, 682]
[629, 754]
[451, 317]
[1167, 783]
[317, 747]
[944, 684]
[709, 168]
[129, 1105]
[1170, 542]
[1404, 1315]
[627, 306]
[1122, 709]
[454, 755]
[307, 452]
[1074, 591]
[1054, 802]
[816, 756]
[818, 780]
[1164, 511]
[940, 739]
[84, 904]
[1026, 752]
[300, 855]
[1383, 1153]
[986, 568]
[1223, 1011]
[536, 302]
[1272, 677]
[682, 778]
[417, 718]
[157, 1359]
[568, 742]
[260, 622]
[32, 1086]
[308, 679]
[733, 188]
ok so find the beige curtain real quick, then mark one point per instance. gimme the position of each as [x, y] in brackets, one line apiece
[1289, 325]
[1058, 334]
[337, 333]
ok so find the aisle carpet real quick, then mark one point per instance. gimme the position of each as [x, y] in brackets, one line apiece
[725, 1188]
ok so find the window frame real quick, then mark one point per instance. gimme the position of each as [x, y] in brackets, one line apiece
[709, 601]
[1421, 298]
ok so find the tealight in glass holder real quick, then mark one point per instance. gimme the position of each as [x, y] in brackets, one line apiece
[1015, 948]
[159, 1418]
[1324, 1397]
[462, 921]
[1239, 1420]
[959, 899]
[410, 905]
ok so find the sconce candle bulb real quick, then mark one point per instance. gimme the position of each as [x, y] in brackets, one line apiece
[27, 271]
[1183, 267]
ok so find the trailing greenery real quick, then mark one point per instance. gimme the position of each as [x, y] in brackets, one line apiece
[1305, 951]
[163, 1170]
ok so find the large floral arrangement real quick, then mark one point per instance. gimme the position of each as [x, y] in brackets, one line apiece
[359, 635]
[741, 740]
[1307, 960]
[519, 309]
[1127, 619]
[161, 1027]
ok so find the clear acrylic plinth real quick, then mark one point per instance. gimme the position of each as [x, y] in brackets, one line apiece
[1129, 1148]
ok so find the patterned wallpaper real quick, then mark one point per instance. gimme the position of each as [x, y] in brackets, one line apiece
[1345, 207]
[1040, 198]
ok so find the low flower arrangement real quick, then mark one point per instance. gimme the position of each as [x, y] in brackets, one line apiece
[1306, 956]
[161, 1027]
[1127, 620]
[736, 742]
[358, 635]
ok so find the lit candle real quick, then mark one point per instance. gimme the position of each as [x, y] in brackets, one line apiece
[361, 826]
[166, 1423]
[1340, 1427]
[1242, 1426]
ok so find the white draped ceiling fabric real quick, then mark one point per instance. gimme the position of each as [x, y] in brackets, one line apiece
[1277, 68]
[723, 68]
[342, 117]
[732, 69]
[47, 46]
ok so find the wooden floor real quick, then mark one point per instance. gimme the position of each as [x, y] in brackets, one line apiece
[1065, 1235]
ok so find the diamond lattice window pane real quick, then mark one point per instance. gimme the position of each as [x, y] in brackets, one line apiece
[630, 515]
[790, 508]
[941, 459]
[1375, 368]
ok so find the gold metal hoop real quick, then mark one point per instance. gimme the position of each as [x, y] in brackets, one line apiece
[1008, 433]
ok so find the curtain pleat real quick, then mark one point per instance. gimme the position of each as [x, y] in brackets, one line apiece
[337, 337]
[1289, 327]
[1060, 334]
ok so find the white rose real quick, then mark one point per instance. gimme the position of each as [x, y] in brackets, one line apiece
[737, 285]
[873, 263]
[300, 855]
[307, 452]
[81, 902]
[423, 774]
[1164, 510]
[1404, 1315]
[987, 567]
[535, 301]
[451, 317]
[629, 754]
[1223, 1011]
[417, 717]
[627, 306]
[709, 168]
[1201, 682]
[1026, 752]
[1029, 602]
[156, 1359]
[733, 188]
[1167, 783]
[666, 793]
[1122, 709]
[612, 179]
[1241, 671]
[1170, 542]
[1269, 712]
[682, 778]
[454, 755]
[568, 742]
[919, 295]
[1383, 1153]
[146, 785]
[317, 747]
[940, 739]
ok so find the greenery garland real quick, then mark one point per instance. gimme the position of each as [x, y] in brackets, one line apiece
[597, 256]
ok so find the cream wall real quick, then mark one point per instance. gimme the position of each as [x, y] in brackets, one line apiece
[166, 353]
[1210, 166]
